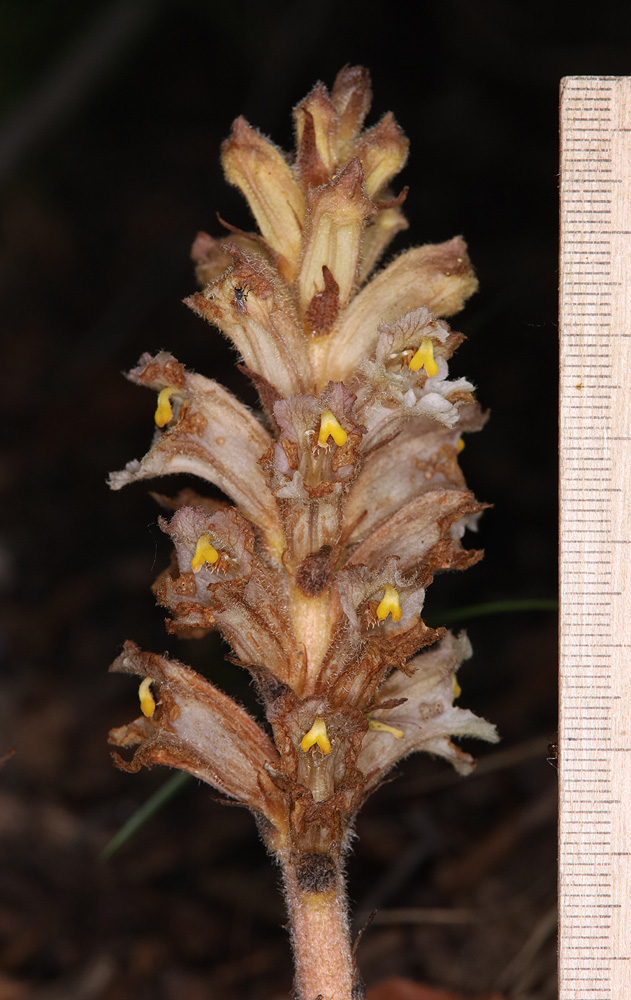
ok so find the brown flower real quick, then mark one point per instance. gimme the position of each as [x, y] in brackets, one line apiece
[348, 499]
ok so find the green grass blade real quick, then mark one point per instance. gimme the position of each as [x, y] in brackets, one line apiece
[145, 812]
[497, 608]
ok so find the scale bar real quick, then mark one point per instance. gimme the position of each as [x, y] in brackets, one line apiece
[595, 527]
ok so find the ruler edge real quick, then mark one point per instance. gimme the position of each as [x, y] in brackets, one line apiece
[563, 85]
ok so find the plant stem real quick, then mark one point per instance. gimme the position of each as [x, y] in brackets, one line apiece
[318, 917]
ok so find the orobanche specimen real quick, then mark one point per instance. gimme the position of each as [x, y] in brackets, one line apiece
[344, 499]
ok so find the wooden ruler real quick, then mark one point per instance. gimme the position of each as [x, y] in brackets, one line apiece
[595, 537]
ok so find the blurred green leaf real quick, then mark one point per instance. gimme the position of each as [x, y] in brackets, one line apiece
[496, 608]
[145, 812]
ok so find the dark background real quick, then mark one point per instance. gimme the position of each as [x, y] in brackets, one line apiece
[112, 116]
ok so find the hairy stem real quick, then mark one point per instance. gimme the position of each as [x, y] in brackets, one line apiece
[318, 917]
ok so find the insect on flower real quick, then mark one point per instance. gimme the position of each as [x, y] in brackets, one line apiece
[241, 297]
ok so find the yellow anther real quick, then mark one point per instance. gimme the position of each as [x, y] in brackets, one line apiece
[456, 687]
[460, 445]
[390, 605]
[147, 701]
[204, 553]
[424, 358]
[381, 727]
[164, 411]
[330, 427]
[317, 734]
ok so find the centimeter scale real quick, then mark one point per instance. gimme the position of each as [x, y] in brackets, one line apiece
[595, 540]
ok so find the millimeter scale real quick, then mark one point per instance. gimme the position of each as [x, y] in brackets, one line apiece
[595, 540]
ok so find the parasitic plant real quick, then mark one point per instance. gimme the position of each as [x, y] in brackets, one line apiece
[344, 499]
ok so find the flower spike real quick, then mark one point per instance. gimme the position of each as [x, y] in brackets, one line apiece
[147, 701]
[334, 504]
[331, 427]
[164, 410]
[424, 358]
[204, 553]
[390, 605]
[317, 736]
[383, 727]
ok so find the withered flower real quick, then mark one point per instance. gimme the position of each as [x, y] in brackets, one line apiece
[345, 498]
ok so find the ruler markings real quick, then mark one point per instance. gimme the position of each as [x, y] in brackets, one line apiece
[595, 682]
[607, 697]
[590, 718]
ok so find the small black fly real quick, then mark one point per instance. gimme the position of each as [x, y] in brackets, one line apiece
[240, 298]
[553, 755]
